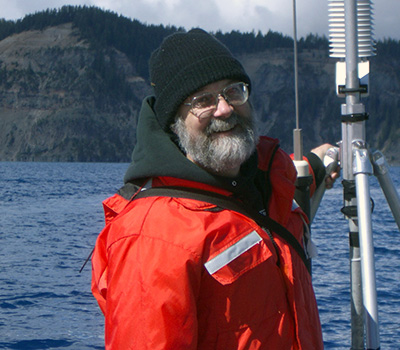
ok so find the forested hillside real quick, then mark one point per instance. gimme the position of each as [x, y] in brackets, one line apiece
[72, 81]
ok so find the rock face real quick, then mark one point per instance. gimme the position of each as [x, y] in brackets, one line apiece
[58, 99]
[61, 99]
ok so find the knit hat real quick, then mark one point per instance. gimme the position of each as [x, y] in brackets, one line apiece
[184, 63]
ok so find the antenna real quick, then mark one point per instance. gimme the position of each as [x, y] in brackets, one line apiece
[304, 178]
[297, 133]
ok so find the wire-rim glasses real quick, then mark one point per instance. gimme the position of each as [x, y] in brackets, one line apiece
[204, 105]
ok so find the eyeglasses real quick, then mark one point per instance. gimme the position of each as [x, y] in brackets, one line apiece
[204, 105]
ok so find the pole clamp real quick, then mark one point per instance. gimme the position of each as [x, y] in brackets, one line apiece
[361, 162]
[354, 239]
[363, 89]
[349, 193]
[355, 117]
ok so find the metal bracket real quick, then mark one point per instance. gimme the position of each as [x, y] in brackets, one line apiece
[361, 161]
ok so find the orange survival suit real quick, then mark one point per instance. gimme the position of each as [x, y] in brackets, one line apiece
[182, 274]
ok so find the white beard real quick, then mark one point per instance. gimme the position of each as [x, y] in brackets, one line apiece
[219, 153]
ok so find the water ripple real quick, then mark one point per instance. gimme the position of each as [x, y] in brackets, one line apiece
[52, 213]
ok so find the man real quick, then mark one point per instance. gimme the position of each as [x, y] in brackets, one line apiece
[182, 273]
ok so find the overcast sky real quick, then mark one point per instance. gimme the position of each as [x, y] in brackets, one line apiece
[225, 15]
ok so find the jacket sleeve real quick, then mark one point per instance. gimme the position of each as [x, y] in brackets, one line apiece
[316, 169]
[150, 293]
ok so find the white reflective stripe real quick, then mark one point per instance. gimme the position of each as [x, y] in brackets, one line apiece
[294, 205]
[231, 253]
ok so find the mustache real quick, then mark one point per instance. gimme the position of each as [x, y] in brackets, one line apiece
[220, 125]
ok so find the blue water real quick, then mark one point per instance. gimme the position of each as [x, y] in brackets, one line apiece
[51, 213]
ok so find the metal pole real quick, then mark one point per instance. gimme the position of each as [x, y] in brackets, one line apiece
[295, 64]
[353, 113]
[381, 171]
[350, 27]
[304, 178]
[351, 131]
[362, 169]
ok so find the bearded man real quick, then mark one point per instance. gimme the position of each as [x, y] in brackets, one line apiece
[180, 273]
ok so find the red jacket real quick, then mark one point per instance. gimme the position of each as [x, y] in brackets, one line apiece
[176, 274]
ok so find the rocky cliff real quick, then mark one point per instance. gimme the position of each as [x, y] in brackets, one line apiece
[61, 99]
[56, 102]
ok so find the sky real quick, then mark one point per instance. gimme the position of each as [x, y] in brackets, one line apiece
[224, 15]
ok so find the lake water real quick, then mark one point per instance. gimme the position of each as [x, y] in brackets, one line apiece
[51, 214]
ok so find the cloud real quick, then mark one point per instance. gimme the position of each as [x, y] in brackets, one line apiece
[225, 15]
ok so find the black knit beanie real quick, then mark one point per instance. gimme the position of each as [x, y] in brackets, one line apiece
[184, 63]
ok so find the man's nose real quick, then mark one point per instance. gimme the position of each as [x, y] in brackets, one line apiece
[224, 109]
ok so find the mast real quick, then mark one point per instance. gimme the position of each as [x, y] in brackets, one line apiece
[304, 178]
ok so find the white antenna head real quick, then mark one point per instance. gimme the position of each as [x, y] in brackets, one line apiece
[337, 29]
